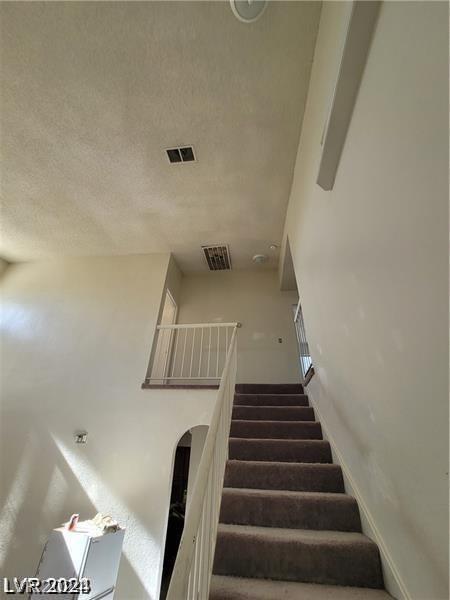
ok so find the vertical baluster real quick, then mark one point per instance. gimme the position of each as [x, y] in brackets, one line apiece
[174, 356]
[192, 593]
[219, 462]
[300, 339]
[304, 359]
[192, 352]
[226, 347]
[200, 355]
[198, 565]
[305, 351]
[161, 353]
[194, 567]
[205, 545]
[184, 352]
[201, 541]
[209, 351]
[214, 467]
[219, 467]
[190, 586]
[167, 333]
[223, 435]
[218, 348]
[300, 330]
[211, 516]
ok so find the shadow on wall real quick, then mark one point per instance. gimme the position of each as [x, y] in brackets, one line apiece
[59, 488]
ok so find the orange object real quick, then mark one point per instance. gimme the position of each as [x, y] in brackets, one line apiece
[72, 522]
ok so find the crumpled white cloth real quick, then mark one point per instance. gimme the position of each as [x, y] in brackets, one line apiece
[99, 525]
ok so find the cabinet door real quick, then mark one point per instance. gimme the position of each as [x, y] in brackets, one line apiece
[63, 556]
[102, 563]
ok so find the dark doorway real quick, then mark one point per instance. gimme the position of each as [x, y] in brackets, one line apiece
[177, 511]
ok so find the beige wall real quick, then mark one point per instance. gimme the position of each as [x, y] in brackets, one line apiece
[174, 280]
[3, 266]
[254, 299]
[76, 336]
[371, 264]
[172, 283]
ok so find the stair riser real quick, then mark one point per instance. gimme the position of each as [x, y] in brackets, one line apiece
[238, 588]
[271, 400]
[285, 451]
[269, 388]
[354, 564]
[276, 430]
[339, 514]
[271, 413]
[297, 478]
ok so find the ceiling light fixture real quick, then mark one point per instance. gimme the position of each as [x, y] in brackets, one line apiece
[248, 11]
[259, 259]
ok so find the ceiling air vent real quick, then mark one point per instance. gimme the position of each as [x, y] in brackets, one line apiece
[183, 154]
[217, 257]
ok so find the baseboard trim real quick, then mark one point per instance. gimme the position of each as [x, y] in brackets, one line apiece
[391, 573]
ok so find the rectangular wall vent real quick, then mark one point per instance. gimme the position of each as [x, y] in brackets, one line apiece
[183, 154]
[217, 257]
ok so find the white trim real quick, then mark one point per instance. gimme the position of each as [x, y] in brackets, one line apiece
[296, 311]
[361, 25]
[393, 579]
[186, 378]
[197, 325]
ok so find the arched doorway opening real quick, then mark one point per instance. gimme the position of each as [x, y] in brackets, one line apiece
[187, 458]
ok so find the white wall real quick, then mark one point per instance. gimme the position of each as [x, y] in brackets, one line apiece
[254, 299]
[371, 264]
[76, 336]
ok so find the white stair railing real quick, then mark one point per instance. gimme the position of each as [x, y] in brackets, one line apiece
[303, 347]
[192, 571]
[187, 353]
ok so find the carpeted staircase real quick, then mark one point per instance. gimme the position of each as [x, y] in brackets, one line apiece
[287, 529]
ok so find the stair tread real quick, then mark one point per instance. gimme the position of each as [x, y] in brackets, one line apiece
[284, 475]
[297, 509]
[276, 406]
[262, 430]
[279, 441]
[273, 413]
[252, 396]
[312, 556]
[270, 388]
[273, 395]
[224, 587]
[320, 496]
[311, 537]
[282, 464]
[276, 422]
[285, 450]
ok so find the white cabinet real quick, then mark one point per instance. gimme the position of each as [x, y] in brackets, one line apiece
[79, 554]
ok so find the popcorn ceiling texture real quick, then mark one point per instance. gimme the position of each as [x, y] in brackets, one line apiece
[93, 93]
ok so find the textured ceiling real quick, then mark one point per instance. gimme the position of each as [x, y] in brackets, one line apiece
[91, 95]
